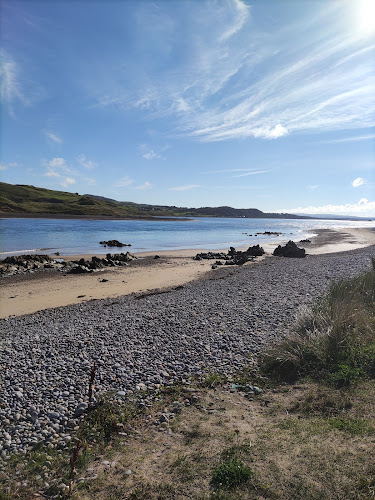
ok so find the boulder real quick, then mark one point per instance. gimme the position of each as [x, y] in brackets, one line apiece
[289, 250]
[255, 251]
[115, 243]
[80, 270]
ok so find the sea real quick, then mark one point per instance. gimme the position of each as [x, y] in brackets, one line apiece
[75, 236]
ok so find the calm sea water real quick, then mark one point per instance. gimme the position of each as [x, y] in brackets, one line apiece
[71, 237]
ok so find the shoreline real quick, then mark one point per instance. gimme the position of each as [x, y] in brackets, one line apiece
[29, 293]
[22, 215]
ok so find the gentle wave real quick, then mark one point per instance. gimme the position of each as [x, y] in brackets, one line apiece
[26, 250]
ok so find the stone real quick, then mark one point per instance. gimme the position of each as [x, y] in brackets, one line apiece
[81, 409]
[54, 415]
[114, 243]
[289, 250]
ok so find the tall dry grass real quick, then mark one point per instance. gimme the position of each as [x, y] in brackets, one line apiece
[334, 340]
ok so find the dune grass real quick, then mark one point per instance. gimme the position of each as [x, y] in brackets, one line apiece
[334, 341]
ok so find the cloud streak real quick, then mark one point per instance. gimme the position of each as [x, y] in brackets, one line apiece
[84, 162]
[124, 182]
[235, 81]
[184, 188]
[257, 172]
[53, 137]
[369, 137]
[146, 185]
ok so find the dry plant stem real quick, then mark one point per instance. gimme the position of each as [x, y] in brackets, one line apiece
[73, 461]
[91, 384]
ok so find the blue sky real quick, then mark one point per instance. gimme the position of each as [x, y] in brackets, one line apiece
[265, 103]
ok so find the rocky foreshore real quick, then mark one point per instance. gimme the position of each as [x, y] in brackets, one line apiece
[140, 341]
[29, 264]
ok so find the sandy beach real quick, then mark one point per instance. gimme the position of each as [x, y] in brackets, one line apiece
[25, 294]
[207, 320]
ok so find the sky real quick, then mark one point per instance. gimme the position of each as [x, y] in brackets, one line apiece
[262, 104]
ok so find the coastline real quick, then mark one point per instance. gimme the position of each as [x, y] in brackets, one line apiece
[25, 215]
[26, 294]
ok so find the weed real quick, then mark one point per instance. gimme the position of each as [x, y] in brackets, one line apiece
[236, 451]
[184, 468]
[230, 473]
[73, 462]
[193, 434]
[323, 401]
[91, 384]
[353, 426]
[212, 380]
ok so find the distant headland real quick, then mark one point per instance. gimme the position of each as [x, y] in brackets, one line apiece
[21, 200]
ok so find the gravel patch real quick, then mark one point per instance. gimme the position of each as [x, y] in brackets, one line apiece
[139, 342]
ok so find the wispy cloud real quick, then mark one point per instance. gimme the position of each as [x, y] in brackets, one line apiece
[146, 185]
[313, 186]
[52, 173]
[184, 188]
[14, 86]
[359, 181]
[10, 86]
[90, 181]
[364, 208]
[230, 170]
[67, 181]
[124, 182]
[53, 137]
[57, 163]
[240, 15]
[256, 172]
[84, 162]
[58, 169]
[151, 155]
[154, 153]
[235, 81]
[5, 166]
[369, 137]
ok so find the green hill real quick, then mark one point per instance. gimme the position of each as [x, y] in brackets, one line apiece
[23, 200]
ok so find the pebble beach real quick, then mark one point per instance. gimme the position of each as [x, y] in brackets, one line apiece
[141, 340]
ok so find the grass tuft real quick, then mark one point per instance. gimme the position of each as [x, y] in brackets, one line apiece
[334, 340]
[230, 473]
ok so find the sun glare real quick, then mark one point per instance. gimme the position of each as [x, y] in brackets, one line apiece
[366, 15]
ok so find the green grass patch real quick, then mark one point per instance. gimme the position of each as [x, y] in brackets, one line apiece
[334, 341]
[231, 473]
[353, 426]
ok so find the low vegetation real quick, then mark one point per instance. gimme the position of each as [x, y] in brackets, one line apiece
[309, 434]
[334, 341]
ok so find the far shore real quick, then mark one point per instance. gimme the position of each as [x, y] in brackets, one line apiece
[25, 215]
[25, 294]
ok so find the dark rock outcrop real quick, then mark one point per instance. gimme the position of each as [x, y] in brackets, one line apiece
[33, 263]
[233, 257]
[115, 243]
[289, 250]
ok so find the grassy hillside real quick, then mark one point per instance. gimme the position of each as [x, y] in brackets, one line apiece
[24, 199]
